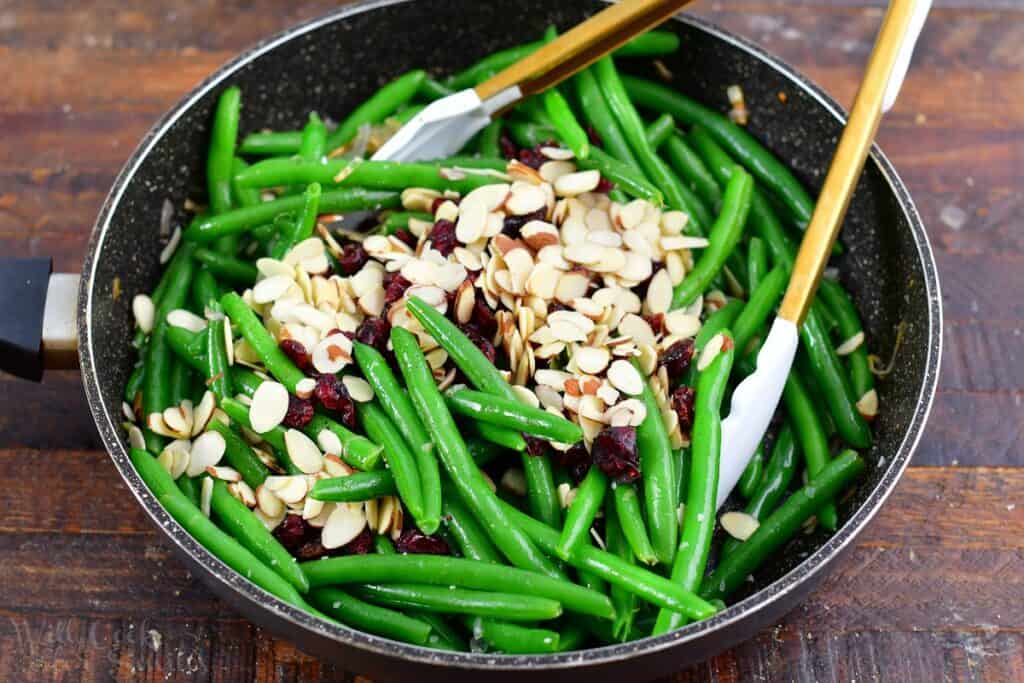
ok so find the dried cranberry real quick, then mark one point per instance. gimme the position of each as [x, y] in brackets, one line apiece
[576, 460]
[416, 542]
[604, 186]
[532, 157]
[353, 257]
[508, 148]
[614, 451]
[657, 322]
[396, 288]
[677, 358]
[534, 446]
[481, 342]
[682, 403]
[513, 224]
[297, 352]
[360, 545]
[333, 396]
[436, 204]
[594, 136]
[300, 412]
[556, 305]
[442, 236]
[407, 238]
[374, 332]
[483, 318]
[311, 550]
[292, 532]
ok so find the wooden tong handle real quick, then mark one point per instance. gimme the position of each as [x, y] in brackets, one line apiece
[581, 46]
[846, 166]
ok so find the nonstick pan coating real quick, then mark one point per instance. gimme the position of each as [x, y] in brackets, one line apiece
[330, 65]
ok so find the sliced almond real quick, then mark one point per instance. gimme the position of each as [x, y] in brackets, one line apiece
[584, 253]
[329, 442]
[681, 325]
[592, 360]
[345, 523]
[335, 466]
[710, 352]
[613, 260]
[332, 353]
[172, 245]
[659, 293]
[306, 249]
[228, 474]
[269, 267]
[566, 495]
[136, 438]
[186, 319]
[268, 503]
[551, 171]
[572, 184]
[637, 328]
[673, 222]
[539, 234]
[271, 288]
[638, 267]
[850, 345]
[305, 387]
[358, 388]
[676, 242]
[144, 312]
[628, 413]
[867, 405]
[207, 451]
[571, 286]
[291, 488]
[179, 419]
[556, 379]
[269, 406]
[205, 495]
[303, 452]
[312, 508]
[243, 492]
[624, 377]
[524, 198]
[203, 413]
[739, 525]
[175, 457]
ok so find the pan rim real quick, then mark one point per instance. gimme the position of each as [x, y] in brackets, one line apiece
[257, 598]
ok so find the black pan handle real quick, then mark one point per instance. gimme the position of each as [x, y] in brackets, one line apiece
[37, 317]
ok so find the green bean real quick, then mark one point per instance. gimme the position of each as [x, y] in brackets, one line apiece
[532, 109]
[314, 139]
[762, 218]
[448, 600]
[760, 305]
[217, 371]
[699, 514]
[189, 487]
[627, 506]
[572, 637]
[848, 322]
[831, 379]
[207, 228]
[441, 570]
[156, 389]
[582, 512]
[688, 164]
[643, 583]
[242, 196]
[660, 130]
[454, 455]
[724, 236]
[406, 114]
[378, 107]
[370, 618]
[276, 362]
[656, 463]
[494, 162]
[597, 113]
[488, 144]
[650, 44]
[513, 414]
[632, 127]
[242, 524]
[355, 488]
[811, 436]
[220, 158]
[442, 635]
[529, 133]
[399, 220]
[275, 437]
[356, 450]
[230, 268]
[392, 397]
[482, 451]
[782, 525]
[303, 228]
[512, 639]
[778, 474]
[499, 436]
[384, 546]
[752, 473]
[400, 460]
[757, 262]
[741, 144]
[569, 130]
[180, 381]
[628, 179]
[484, 376]
[134, 383]
[623, 601]
[240, 455]
[468, 534]
[205, 290]
[433, 90]
[373, 175]
[271, 144]
[226, 549]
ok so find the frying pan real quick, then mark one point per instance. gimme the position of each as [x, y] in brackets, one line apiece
[331, 64]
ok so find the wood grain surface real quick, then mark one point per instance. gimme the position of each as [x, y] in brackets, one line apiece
[934, 590]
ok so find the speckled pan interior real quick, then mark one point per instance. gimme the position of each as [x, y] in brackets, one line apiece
[330, 65]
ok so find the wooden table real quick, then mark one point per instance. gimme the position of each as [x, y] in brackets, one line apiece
[934, 590]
